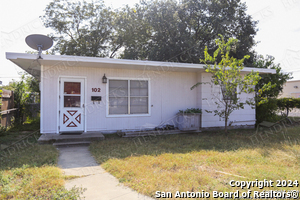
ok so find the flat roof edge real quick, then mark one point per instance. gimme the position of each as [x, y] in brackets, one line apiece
[13, 56]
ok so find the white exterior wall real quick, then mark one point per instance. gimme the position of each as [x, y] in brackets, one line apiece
[209, 93]
[169, 93]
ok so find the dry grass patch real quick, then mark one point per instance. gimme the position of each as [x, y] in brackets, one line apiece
[45, 182]
[28, 170]
[197, 162]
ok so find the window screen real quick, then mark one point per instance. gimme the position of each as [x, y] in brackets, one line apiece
[118, 97]
[138, 97]
[128, 97]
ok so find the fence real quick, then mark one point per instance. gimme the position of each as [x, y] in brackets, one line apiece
[7, 109]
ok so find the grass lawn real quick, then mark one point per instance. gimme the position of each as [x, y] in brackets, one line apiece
[203, 162]
[28, 170]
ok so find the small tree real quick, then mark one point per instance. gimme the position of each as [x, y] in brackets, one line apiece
[287, 104]
[268, 88]
[227, 75]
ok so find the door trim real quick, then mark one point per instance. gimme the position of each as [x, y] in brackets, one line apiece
[58, 100]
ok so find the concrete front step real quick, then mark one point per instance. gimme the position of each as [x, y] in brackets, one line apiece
[83, 138]
[78, 143]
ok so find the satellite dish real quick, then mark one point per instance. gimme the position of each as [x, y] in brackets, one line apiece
[39, 42]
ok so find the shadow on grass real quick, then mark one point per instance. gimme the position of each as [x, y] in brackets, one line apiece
[16, 131]
[21, 148]
[265, 140]
[28, 170]
[31, 168]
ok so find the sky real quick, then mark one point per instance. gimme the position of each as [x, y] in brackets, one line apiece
[278, 30]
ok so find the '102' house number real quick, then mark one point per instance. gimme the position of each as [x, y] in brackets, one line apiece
[96, 89]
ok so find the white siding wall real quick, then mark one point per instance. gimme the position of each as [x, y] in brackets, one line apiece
[49, 108]
[170, 92]
[209, 95]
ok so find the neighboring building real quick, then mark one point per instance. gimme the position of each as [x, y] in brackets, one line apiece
[138, 94]
[291, 89]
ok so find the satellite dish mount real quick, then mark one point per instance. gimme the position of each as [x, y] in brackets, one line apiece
[39, 42]
[40, 47]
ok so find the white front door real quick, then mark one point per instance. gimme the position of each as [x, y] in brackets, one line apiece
[71, 105]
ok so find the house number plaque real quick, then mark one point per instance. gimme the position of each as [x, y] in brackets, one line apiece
[96, 89]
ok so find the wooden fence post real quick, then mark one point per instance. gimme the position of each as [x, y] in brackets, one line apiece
[7, 108]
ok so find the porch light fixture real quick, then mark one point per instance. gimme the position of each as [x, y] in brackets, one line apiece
[104, 79]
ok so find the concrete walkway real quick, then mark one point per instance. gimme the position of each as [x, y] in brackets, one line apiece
[99, 184]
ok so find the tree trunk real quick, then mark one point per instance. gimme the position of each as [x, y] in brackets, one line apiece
[226, 124]
[226, 117]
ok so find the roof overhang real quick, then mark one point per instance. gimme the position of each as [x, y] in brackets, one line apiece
[32, 65]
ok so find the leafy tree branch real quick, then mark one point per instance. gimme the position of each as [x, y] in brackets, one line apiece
[228, 78]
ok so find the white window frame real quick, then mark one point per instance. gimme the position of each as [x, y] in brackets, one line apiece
[128, 115]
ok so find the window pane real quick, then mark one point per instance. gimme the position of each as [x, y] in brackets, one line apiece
[72, 87]
[118, 105]
[138, 88]
[139, 105]
[71, 101]
[118, 88]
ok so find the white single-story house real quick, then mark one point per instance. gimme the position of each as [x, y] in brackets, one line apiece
[137, 94]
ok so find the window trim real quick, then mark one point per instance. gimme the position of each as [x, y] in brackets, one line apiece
[128, 115]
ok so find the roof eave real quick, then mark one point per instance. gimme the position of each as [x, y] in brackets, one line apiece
[32, 65]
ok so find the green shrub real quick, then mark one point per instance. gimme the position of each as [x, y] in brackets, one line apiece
[288, 104]
[191, 110]
[267, 111]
